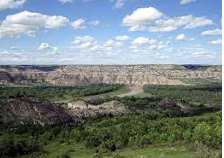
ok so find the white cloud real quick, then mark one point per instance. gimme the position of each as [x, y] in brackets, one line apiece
[142, 16]
[183, 2]
[112, 43]
[43, 46]
[163, 57]
[46, 47]
[142, 41]
[66, 1]
[152, 20]
[94, 22]
[28, 23]
[71, 1]
[198, 22]
[11, 4]
[79, 24]
[199, 53]
[217, 42]
[90, 44]
[79, 40]
[212, 32]
[109, 43]
[158, 46]
[117, 3]
[83, 43]
[4, 52]
[182, 37]
[122, 38]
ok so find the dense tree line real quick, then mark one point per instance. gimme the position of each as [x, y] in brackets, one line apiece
[150, 129]
[208, 95]
[57, 92]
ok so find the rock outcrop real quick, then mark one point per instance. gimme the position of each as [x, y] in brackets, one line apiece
[82, 109]
[33, 110]
[96, 74]
[37, 111]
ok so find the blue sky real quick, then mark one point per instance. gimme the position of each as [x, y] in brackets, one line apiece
[110, 32]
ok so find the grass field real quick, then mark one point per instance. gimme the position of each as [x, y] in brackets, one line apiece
[159, 152]
[143, 95]
[57, 149]
[124, 89]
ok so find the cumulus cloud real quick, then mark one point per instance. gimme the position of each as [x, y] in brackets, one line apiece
[183, 2]
[142, 16]
[112, 43]
[158, 46]
[28, 23]
[143, 41]
[212, 32]
[90, 44]
[83, 43]
[79, 24]
[46, 47]
[79, 40]
[109, 43]
[182, 37]
[122, 38]
[152, 20]
[11, 4]
[216, 42]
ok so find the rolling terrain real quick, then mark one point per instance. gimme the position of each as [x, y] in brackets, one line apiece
[110, 111]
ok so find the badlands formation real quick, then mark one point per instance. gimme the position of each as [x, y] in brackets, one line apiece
[102, 74]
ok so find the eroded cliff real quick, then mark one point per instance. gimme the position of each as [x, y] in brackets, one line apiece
[96, 74]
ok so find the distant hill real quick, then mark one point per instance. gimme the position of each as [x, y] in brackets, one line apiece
[109, 74]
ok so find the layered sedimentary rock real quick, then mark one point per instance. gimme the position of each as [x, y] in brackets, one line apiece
[82, 109]
[38, 111]
[97, 74]
[33, 110]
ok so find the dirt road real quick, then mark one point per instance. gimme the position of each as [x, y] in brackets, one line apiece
[134, 91]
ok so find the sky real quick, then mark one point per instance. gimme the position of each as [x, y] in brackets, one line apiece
[110, 32]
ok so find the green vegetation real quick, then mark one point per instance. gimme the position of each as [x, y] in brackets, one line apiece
[143, 95]
[204, 95]
[199, 81]
[123, 89]
[157, 127]
[79, 151]
[55, 93]
[110, 135]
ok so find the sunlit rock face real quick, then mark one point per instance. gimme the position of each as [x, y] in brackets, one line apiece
[98, 74]
[82, 109]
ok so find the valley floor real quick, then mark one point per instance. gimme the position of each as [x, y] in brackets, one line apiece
[57, 149]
